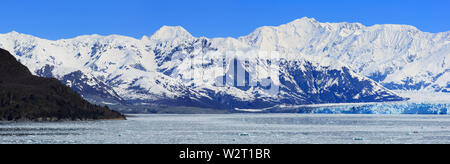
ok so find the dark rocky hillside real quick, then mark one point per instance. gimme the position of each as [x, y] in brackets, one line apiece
[31, 98]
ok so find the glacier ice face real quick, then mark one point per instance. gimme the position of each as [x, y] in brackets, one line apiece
[385, 108]
[319, 63]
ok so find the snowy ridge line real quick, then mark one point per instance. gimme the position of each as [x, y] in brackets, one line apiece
[325, 63]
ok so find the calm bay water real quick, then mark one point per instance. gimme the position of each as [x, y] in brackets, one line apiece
[237, 129]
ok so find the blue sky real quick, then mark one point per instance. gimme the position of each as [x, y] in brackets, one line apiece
[56, 19]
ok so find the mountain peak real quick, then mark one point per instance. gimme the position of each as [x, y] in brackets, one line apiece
[171, 33]
[305, 20]
[13, 32]
[17, 35]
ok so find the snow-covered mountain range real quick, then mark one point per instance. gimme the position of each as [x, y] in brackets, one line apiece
[398, 56]
[317, 63]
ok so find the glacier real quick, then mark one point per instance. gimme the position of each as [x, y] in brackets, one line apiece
[366, 108]
[320, 63]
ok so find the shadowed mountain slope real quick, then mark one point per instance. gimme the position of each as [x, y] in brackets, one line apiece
[31, 98]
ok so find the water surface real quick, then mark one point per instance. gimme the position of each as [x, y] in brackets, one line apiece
[233, 129]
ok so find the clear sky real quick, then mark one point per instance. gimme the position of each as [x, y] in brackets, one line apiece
[56, 19]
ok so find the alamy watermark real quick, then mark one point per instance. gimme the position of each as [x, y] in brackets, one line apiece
[241, 69]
